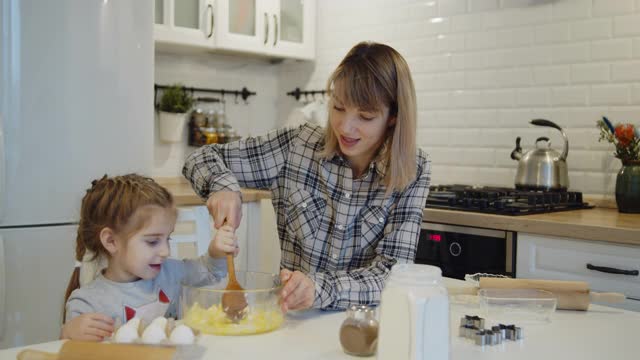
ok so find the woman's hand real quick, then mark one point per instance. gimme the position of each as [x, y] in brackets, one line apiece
[88, 327]
[224, 242]
[225, 206]
[299, 290]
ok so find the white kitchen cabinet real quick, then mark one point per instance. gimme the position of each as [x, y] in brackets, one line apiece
[293, 28]
[242, 25]
[272, 28]
[184, 23]
[194, 230]
[276, 28]
[547, 257]
[257, 236]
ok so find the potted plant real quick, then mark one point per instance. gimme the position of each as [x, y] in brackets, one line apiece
[626, 139]
[174, 105]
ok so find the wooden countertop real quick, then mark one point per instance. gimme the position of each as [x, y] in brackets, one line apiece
[599, 224]
[184, 195]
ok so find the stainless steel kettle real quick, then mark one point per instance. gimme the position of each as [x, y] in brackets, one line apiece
[542, 168]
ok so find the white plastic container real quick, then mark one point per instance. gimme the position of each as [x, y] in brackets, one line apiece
[414, 315]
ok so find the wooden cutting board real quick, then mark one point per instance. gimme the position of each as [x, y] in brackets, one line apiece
[81, 350]
[572, 295]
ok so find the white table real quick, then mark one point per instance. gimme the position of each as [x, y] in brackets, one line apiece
[600, 333]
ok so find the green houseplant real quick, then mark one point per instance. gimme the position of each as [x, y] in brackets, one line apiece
[626, 139]
[174, 105]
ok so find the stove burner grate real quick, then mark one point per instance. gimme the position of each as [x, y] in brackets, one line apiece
[502, 201]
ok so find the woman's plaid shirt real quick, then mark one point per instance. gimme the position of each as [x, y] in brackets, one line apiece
[342, 232]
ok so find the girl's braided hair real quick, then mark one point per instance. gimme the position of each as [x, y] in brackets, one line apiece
[113, 202]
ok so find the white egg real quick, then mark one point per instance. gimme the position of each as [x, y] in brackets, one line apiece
[153, 335]
[182, 335]
[126, 334]
[134, 323]
[160, 322]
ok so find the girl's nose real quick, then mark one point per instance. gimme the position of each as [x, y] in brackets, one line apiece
[165, 250]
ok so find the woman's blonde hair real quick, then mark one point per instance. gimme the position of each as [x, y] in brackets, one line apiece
[114, 202]
[370, 76]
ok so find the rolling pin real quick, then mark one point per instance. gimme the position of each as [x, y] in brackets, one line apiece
[572, 295]
[81, 350]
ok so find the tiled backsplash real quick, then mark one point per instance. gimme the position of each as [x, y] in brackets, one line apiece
[484, 68]
[217, 72]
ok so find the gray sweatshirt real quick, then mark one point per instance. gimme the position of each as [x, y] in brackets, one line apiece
[145, 299]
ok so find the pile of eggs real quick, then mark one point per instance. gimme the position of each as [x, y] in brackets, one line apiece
[157, 332]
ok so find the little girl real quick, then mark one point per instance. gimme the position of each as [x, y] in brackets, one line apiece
[127, 220]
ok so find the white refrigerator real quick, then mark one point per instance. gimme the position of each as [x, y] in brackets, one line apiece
[76, 102]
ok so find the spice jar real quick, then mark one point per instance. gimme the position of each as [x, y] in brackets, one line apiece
[359, 331]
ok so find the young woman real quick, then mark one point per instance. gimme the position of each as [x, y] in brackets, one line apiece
[348, 198]
[128, 219]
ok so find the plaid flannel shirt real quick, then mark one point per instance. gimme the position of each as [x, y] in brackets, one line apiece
[340, 231]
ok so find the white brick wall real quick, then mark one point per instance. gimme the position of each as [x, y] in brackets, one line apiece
[219, 71]
[484, 68]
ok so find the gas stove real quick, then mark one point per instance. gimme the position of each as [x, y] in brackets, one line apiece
[502, 200]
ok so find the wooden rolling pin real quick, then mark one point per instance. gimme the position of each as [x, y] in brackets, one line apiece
[81, 350]
[572, 295]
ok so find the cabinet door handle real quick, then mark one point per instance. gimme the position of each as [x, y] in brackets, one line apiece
[266, 28]
[611, 270]
[209, 7]
[275, 23]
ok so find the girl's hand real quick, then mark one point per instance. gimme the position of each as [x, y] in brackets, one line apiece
[299, 290]
[224, 242]
[88, 327]
[225, 206]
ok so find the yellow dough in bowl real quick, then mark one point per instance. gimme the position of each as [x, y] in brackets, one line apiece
[214, 321]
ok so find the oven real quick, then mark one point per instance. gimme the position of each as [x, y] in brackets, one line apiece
[460, 250]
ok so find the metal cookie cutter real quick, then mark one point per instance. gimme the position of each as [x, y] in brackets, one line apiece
[497, 333]
[503, 330]
[510, 332]
[481, 338]
[468, 331]
[519, 333]
[472, 320]
[492, 338]
[478, 322]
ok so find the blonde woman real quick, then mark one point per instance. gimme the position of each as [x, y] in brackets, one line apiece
[348, 199]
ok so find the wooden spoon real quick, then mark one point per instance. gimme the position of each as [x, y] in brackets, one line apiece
[234, 301]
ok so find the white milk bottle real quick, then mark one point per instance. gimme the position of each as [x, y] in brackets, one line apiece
[414, 315]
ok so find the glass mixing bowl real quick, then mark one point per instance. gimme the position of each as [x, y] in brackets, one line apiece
[201, 306]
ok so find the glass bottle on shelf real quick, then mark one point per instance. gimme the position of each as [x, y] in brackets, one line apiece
[197, 127]
[211, 132]
[223, 134]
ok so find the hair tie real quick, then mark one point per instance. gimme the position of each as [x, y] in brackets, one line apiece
[78, 264]
[96, 181]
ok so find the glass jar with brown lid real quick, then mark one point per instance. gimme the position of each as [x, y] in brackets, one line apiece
[359, 331]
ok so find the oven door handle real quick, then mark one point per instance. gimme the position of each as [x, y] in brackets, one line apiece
[610, 270]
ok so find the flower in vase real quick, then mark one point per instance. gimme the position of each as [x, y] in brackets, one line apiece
[625, 137]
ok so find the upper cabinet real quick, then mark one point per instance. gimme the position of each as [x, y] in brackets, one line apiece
[184, 22]
[294, 28]
[273, 28]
